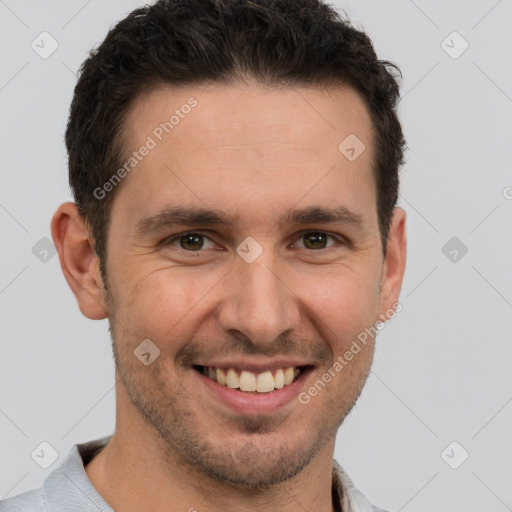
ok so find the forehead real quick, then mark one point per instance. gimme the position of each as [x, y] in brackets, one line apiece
[267, 144]
[248, 113]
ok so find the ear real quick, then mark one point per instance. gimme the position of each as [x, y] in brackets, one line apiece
[79, 263]
[394, 263]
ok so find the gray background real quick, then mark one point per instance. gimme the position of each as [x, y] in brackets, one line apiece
[442, 367]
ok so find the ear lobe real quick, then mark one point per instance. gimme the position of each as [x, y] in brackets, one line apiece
[79, 263]
[394, 264]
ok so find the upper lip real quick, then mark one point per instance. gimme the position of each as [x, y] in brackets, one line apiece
[254, 365]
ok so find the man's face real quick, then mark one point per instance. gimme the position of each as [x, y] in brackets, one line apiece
[267, 162]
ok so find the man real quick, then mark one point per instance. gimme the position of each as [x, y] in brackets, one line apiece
[235, 172]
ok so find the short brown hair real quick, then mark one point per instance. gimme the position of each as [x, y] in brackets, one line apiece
[182, 42]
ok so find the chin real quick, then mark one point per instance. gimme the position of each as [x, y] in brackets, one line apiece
[255, 464]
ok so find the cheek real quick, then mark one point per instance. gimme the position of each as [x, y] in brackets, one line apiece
[159, 304]
[343, 304]
[167, 303]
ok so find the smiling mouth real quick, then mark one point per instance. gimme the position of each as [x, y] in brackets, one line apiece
[249, 382]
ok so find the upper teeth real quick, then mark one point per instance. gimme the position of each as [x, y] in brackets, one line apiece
[249, 381]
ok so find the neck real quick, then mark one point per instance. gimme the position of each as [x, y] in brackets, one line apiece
[137, 470]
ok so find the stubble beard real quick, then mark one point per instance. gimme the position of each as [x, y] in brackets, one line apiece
[249, 463]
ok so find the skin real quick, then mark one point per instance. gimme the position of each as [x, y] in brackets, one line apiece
[254, 153]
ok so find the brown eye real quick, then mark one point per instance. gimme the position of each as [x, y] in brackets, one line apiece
[192, 242]
[315, 240]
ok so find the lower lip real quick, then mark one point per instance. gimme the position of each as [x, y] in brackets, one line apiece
[252, 403]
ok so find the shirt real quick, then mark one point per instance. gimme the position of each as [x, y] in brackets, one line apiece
[67, 488]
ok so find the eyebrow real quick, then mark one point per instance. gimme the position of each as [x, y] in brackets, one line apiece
[192, 216]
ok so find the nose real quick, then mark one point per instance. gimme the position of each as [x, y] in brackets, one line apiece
[259, 302]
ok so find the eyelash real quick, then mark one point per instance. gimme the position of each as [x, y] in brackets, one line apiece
[338, 238]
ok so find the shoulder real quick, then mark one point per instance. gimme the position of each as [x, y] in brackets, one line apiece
[26, 502]
[67, 487]
[351, 499]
